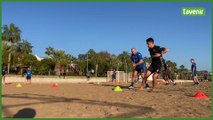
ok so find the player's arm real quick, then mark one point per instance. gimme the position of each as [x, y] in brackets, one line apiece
[164, 51]
[140, 62]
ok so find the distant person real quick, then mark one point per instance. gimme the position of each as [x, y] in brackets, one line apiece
[167, 73]
[88, 74]
[64, 74]
[194, 72]
[138, 64]
[156, 53]
[24, 72]
[205, 76]
[29, 75]
[114, 76]
[4, 73]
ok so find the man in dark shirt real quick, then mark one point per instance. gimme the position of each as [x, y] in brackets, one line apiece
[4, 73]
[114, 76]
[167, 73]
[156, 53]
[194, 72]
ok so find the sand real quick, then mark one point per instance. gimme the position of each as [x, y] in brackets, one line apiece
[81, 100]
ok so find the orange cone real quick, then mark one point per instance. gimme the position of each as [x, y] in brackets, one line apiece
[54, 86]
[200, 95]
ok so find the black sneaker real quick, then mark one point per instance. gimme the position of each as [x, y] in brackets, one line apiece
[131, 87]
[196, 84]
[147, 86]
[174, 84]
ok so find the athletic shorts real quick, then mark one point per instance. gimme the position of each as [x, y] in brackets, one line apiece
[155, 68]
[114, 77]
[28, 77]
[194, 74]
[140, 70]
[3, 74]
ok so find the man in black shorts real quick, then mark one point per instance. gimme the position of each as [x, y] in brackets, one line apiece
[4, 73]
[156, 53]
[114, 76]
[167, 73]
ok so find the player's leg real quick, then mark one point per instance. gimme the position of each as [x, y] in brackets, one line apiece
[134, 75]
[3, 80]
[114, 80]
[26, 80]
[195, 78]
[142, 75]
[30, 81]
[156, 71]
[171, 78]
[144, 81]
[154, 82]
[164, 77]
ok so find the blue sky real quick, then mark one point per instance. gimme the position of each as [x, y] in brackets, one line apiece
[114, 27]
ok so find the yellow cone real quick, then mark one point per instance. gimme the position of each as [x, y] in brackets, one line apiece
[18, 85]
[118, 89]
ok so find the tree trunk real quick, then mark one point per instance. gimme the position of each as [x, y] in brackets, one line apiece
[49, 72]
[96, 70]
[9, 58]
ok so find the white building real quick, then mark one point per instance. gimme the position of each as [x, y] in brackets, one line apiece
[38, 58]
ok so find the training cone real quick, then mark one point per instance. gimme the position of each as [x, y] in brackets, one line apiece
[18, 85]
[54, 85]
[200, 95]
[118, 89]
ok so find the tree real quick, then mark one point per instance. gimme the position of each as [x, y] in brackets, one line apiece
[24, 47]
[11, 34]
[173, 67]
[50, 52]
[29, 60]
[94, 60]
[5, 52]
[60, 57]
[81, 62]
[125, 60]
[46, 66]
[104, 63]
[183, 72]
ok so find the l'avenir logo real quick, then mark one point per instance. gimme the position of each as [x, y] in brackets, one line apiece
[193, 11]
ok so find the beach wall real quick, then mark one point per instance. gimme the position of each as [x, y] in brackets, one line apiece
[47, 79]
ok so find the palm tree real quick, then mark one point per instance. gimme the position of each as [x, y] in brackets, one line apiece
[94, 58]
[125, 59]
[60, 57]
[25, 47]
[11, 34]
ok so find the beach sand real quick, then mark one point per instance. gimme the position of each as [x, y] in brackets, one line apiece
[98, 100]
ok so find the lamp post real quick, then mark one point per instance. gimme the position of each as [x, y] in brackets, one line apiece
[87, 62]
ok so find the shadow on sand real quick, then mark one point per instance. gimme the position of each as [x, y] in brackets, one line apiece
[48, 99]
